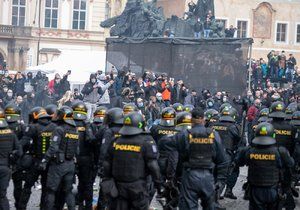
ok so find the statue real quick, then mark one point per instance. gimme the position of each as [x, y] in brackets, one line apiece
[142, 19]
[203, 8]
[138, 20]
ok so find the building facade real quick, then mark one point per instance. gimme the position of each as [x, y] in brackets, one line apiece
[34, 32]
[273, 24]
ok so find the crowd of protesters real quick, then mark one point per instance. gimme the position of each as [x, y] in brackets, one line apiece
[151, 92]
[279, 68]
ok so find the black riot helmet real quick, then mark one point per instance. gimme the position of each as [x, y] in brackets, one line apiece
[99, 114]
[12, 113]
[210, 114]
[178, 107]
[263, 115]
[290, 109]
[168, 116]
[33, 113]
[3, 123]
[223, 106]
[132, 124]
[228, 114]
[188, 108]
[65, 114]
[264, 134]
[183, 121]
[277, 110]
[79, 111]
[128, 108]
[296, 118]
[114, 116]
[51, 109]
[38, 113]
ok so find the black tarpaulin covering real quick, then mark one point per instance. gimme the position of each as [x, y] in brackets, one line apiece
[215, 64]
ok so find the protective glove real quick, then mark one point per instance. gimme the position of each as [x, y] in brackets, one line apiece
[159, 189]
[43, 165]
[100, 171]
[13, 157]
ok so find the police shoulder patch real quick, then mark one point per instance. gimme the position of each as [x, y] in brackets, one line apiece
[55, 138]
[154, 148]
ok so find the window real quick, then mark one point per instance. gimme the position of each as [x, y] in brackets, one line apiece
[298, 34]
[51, 12]
[281, 32]
[222, 21]
[79, 14]
[242, 29]
[18, 12]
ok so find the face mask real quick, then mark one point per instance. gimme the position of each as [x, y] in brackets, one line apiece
[159, 98]
[5, 90]
[9, 94]
[218, 97]
[224, 99]
[93, 80]
[141, 104]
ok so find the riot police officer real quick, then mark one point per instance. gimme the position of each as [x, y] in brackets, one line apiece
[188, 108]
[128, 108]
[51, 109]
[98, 128]
[229, 132]
[285, 137]
[13, 118]
[174, 166]
[202, 151]
[114, 121]
[178, 107]
[183, 121]
[263, 116]
[290, 109]
[161, 134]
[60, 155]
[211, 117]
[225, 105]
[296, 170]
[85, 157]
[10, 150]
[37, 138]
[265, 162]
[128, 160]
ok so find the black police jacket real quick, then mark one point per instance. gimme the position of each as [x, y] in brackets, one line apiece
[129, 159]
[85, 139]
[109, 136]
[161, 135]
[37, 138]
[63, 143]
[9, 145]
[264, 164]
[285, 134]
[201, 148]
[229, 133]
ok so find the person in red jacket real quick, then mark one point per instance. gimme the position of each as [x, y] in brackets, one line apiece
[251, 115]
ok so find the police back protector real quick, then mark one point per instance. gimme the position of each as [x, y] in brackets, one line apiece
[263, 168]
[201, 149]
[128, 164]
